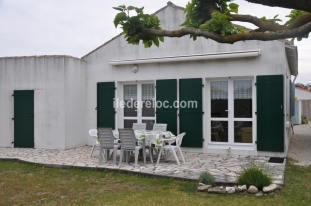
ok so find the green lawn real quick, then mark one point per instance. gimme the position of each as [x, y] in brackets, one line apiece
[28, 184]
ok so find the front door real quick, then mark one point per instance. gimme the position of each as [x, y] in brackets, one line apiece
[24, 118]
[139, 104]
[231, 112]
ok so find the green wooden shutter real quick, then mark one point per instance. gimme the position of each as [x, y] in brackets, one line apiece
[270, 113]
[24, 118]
[166, 90]
[191, 119]
[105, 104]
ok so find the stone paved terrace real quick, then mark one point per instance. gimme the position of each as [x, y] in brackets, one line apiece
[223, 167]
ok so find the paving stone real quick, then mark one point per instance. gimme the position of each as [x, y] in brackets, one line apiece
[223, 167]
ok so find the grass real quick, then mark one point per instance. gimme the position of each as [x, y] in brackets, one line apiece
[28, 184]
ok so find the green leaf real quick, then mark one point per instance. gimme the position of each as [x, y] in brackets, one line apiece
[119, 17]
[161, 38]
[122, 6]
[156, 41]
[117, 8]
[234, 6]
[130, 8]
[234, 10]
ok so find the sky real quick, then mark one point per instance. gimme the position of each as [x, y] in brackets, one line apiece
[76, 27]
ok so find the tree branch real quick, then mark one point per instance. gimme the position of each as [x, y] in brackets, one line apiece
[263, 26]
[263, 36]
[300, 21]
[304, 5]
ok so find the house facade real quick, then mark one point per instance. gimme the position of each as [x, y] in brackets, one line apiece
[229, 99]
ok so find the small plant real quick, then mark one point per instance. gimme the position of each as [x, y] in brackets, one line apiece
[304, 120]
[257, 174]
[206, 178]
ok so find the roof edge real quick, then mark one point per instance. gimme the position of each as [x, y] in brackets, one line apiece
[302, 89]
[292, 58]
[40, 56]
[169, 3]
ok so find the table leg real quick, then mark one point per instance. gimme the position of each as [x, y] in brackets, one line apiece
[144, 150]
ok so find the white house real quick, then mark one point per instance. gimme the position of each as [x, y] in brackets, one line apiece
[241, 92]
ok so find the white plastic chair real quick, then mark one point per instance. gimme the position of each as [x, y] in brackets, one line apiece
[128, 143]
[169, 147]
[159, 127]
[107, 144]
[139, 126]
[93, 133]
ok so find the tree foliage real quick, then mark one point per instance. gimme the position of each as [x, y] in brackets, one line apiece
[213, 19]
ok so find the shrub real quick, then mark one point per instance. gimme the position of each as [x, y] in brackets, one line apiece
[206, 178]
[304, 120]
[257, 174]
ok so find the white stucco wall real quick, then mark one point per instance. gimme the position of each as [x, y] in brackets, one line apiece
[51, 78]
[75, 93]
[302, 94]
[271, 61]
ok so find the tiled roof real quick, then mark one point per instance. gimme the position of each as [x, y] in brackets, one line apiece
[303, 89]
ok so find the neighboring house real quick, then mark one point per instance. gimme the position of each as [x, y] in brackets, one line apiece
[302, 94]
[303, 104]
[242, 92]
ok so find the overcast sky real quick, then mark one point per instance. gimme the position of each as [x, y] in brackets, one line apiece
[76, 27]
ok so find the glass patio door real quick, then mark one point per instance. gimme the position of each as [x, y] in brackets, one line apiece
[231, 110]
[139, 104]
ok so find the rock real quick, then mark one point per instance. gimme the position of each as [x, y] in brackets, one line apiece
[259, 194]
[236, 188]
[204, 188]
[230, 190]
[201, 184]
[217, 190]
[270, 188]
[242, 188]
[252, 189]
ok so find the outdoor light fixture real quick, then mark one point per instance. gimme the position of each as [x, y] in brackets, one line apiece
[135, 69]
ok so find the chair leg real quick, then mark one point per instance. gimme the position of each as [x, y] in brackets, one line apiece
[121, 156]
[182, 156]
[166, 153]
[151, 154]
[159, 155]
[115, 155]
[127, 153]
[107, 155]
[136, 157]
[100, 155]
[174, 153]
[93, 149]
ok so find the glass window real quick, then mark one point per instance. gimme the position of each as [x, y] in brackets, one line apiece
[219, 99]
[148, 96]
[219, 131]
[243, 102]
[128, 123]
[243, 132]
[130, 99]
[149, 124]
